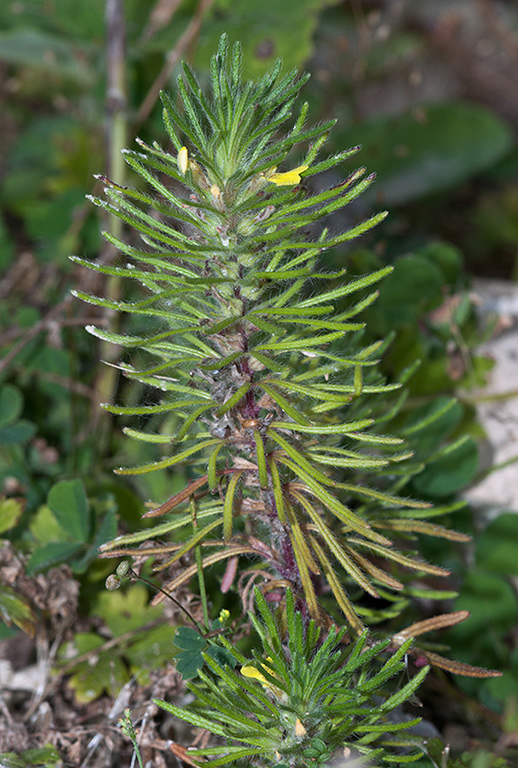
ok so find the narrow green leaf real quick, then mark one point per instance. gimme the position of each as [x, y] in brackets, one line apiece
[169, 462]
[408, 562]
[261, 459]
[334, 546]
[220, 362]
[344, 290]
[285, 405]
[402, 695]
[306, 580]
[269, 363]
[337, 588]
[359, 462]
[148, 437]
[235, 398]
[235, 754]
[386, 498]
[138, 410]
[316, 429]
[312, 341]
[342, 512]
[200, 535]
[189, 421]
[299, 458]
[308, 391]
[158, 530]
[228, 507]
[277, 490]
[212, 467]
[292, 311]
[327, 325]
[190, 717]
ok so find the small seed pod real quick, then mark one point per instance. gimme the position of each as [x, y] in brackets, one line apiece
[112, 582]
[122, 569]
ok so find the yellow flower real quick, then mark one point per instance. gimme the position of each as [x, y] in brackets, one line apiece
[290, 178]
[183, 160]
[249, 671]
[224, 616]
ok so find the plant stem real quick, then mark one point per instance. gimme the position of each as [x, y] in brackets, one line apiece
[201, 577]
[116, 136]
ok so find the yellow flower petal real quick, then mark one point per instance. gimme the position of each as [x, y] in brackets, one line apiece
[255, 674]
[290, 178]
[183, 160]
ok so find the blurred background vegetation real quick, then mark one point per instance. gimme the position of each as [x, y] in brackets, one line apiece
[429, 89]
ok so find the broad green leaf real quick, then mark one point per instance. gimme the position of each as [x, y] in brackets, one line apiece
[89, 681]
[11, 403]
[10, 511]
[448, 474]
[221, 656]
[52, 554]
[497, 546]
[504, 688]
[271, 30]
[188, 639]
[151, 649]
[124, 611]
[78, 21]
[107, 531]
[17, 433]
[445, 256]
[427, 149]
[413, 288]
[43, 757]
[69, 504]
[45, 528]
[188, 664]
[491, 603]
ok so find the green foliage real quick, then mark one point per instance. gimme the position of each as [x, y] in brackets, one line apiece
[253, 371]
[13, 430]
[496, 548]
[303, 699]
[125, 611]
[487, 593]
[44, 757]
[425, 150]
[15, 610]
[192, 646]
[65, 530]
[144, 643]
[10, 512]
[266, 30]
[89, 681]
[439, 755]
[53, 140]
